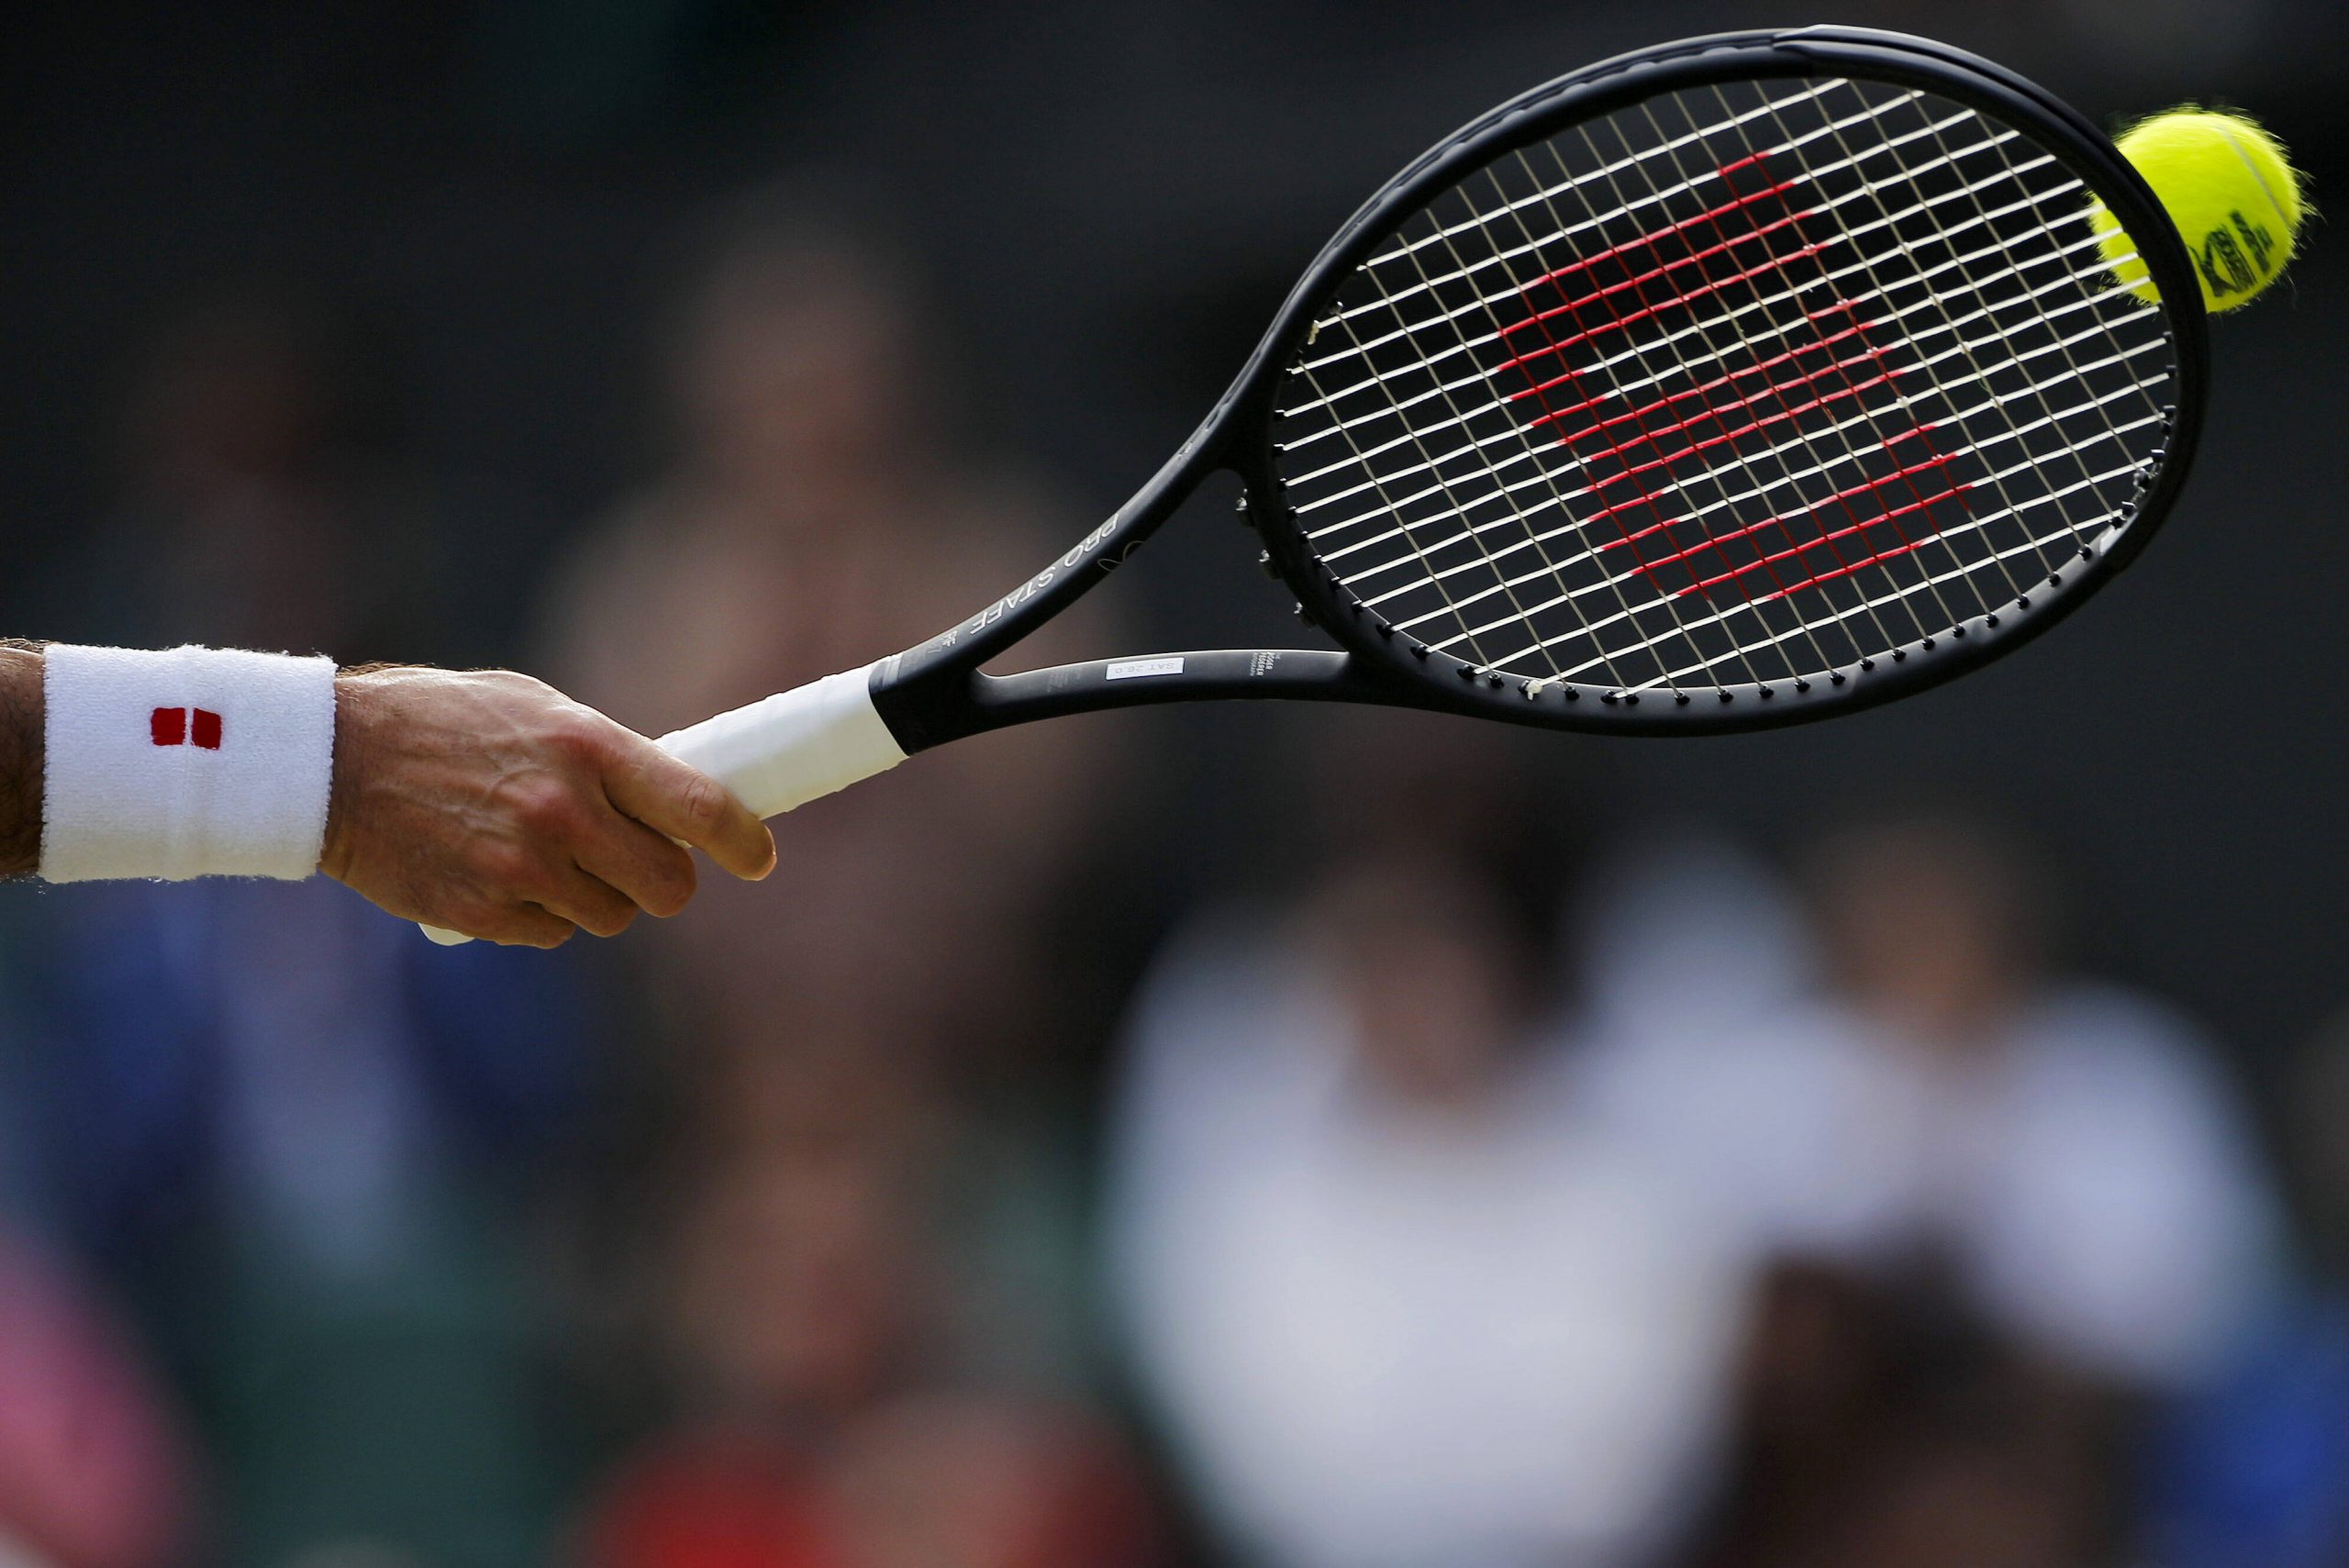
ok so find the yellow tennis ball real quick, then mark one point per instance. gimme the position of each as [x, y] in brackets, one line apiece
[2231, 191]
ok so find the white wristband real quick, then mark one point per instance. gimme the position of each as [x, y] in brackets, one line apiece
[194, 762]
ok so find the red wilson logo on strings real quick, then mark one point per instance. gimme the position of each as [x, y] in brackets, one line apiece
[1642, 461]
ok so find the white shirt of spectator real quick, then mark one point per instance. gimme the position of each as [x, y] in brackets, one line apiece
[1385, 1340]
[2086, 1169]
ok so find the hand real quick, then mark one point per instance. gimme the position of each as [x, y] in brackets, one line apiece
[492, 805]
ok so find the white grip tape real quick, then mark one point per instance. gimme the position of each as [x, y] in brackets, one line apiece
[784, 750]
[782, 753]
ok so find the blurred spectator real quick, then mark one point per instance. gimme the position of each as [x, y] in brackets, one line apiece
[1683, 936]
[2255, 1468]
[822, 508]
[305, 1142]
[91, 1473]
[1884, 1426]
[261, 506]
[821, 1419]
[788, 1301]
[865, 1293]
[2065, 1144]
[1400, 1299]
[299, 1138]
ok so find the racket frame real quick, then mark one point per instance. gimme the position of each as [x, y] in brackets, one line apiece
[935, 692]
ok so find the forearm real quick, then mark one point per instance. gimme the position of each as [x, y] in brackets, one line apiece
[481, 801]
[21, 731]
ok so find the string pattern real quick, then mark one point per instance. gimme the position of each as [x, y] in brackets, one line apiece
[1748, 383]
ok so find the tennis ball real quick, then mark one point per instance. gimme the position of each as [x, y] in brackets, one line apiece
[2231, 191]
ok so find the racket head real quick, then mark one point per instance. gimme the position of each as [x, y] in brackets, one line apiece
[1731, 384]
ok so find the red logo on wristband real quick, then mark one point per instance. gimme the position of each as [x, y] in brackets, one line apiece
[174, 727]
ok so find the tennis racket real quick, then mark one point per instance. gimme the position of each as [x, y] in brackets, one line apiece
[1740, 381]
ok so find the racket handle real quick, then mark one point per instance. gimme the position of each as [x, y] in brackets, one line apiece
[783, 752]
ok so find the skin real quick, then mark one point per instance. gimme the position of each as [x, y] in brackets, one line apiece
[21, 756]
[481, 801]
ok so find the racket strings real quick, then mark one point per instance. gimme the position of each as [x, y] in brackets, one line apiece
[1935, 463]
[1738, 416]
[1880, 549]
[1658, 198]
[1745, 384]
[1429, 576]
[1745, 316]
[1951, 534]
[1770, 189]
[1526, 536]
[2047, 219]
[1940, 304]
[1884, 148]
[1529, 537]
[1365, 542]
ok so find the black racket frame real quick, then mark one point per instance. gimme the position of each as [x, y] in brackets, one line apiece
[935, 692]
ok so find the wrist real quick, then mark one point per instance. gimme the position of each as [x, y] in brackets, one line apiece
[22, 728]
[351, 705]
[360, 699]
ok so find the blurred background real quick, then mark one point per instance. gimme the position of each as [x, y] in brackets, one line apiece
[1150, 1139]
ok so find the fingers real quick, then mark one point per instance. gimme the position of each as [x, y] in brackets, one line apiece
[567, 900]
[685, 804]
[517, 925]
[600, 851]
[527, 884]
[589, 903]
[586, 860]
[646, 868]
[530, 926]
[490, 805]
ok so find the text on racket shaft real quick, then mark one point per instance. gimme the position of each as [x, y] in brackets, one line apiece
[1038, 583]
